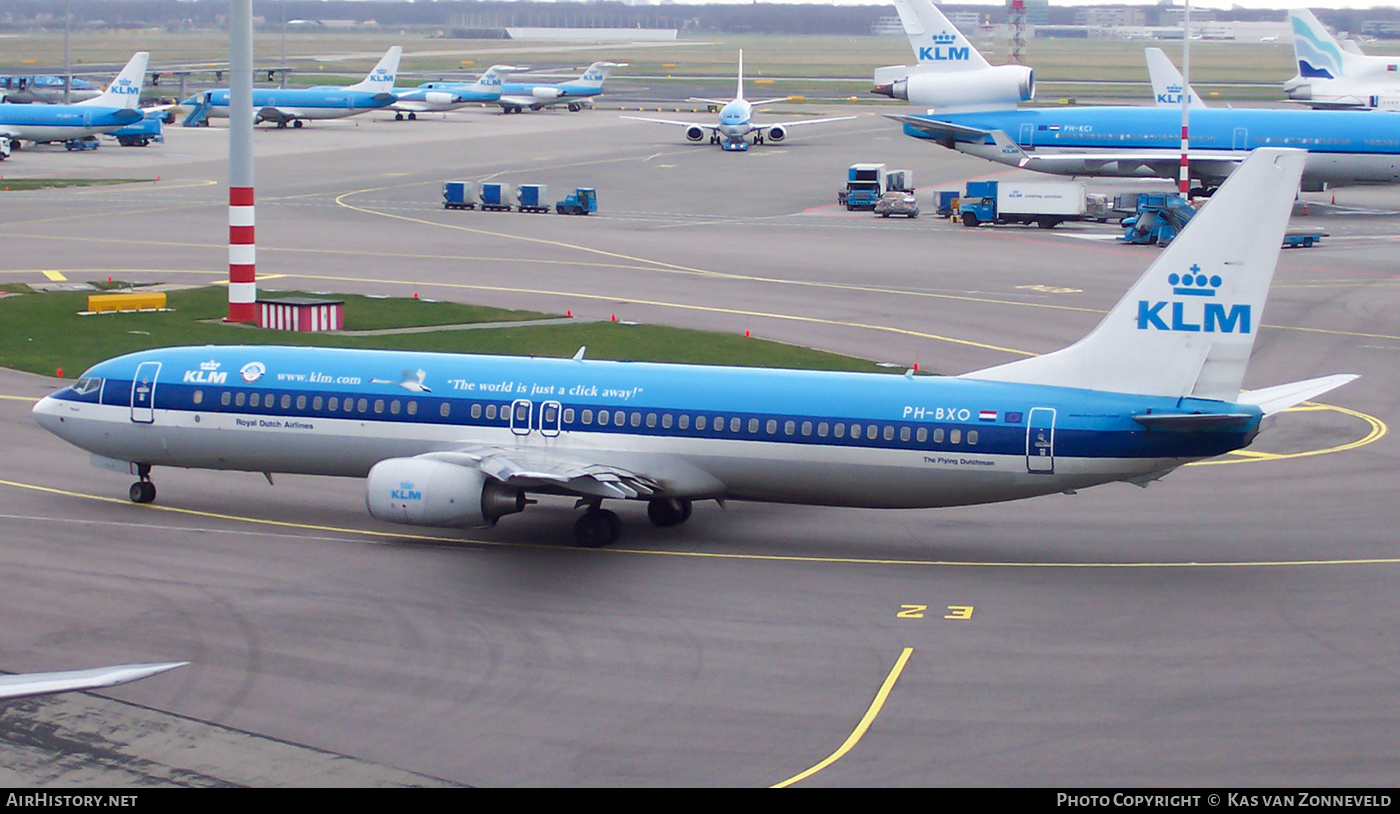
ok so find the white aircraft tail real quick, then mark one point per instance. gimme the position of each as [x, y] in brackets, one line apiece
[937, 43]
[1167, 83]
[1187, 327]
[596, 74]
[1317, 52]
[739, 91]
[125, 90]
[381, 78]
[494, 77]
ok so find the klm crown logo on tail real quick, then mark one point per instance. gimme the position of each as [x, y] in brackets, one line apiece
[942, 49]
[1171, 97]
[1194, 314]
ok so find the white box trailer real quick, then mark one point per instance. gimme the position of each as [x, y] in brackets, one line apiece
[1066, 198]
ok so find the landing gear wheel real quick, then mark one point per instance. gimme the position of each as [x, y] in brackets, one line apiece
[142, 491]
[666, 512]
[398, 117]
[413, 117]
[297, 124]
[597, 528]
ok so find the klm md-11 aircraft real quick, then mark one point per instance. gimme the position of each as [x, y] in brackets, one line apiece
[284, 106]
[460, 441]
[974, 112]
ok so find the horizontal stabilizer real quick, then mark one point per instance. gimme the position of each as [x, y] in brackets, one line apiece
[1280, 397]
[933, 128]
[28, 684]
[1195, 422]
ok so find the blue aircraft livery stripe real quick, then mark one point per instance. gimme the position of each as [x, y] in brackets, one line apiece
[878, 411]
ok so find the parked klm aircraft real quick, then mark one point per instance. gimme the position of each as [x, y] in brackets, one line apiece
[114, 109]
[1167, 82]
[440, 97]
[287, 105]
[576, 94]
[459, 441]
[48, 89]
[950, 74]
[1345, 148]
[25, 685]
[1330, 76]
[736, 121]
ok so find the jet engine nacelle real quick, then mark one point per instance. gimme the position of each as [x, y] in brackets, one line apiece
[777, 133]
[989, 88]
[695, 132]
[440, 98]
[424, 492]
[546, 93]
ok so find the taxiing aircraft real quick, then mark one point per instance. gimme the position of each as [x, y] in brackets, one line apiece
[576, 94]
[114, 109]
[459, 441]
[950, 74]
[285, 106]
[25, 685]
[1167, 82]
[440, 97]
[1337, 77]
[736, 121]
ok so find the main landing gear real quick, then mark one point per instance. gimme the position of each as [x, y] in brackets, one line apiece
[599, 527]
[143, 491]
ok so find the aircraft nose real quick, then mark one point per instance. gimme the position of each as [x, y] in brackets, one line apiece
[49, 413]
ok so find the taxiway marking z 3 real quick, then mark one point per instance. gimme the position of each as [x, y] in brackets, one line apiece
[460, 440]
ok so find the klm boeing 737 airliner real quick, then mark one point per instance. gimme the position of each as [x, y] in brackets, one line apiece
[115, 108]
[460, 441]
[290, 105]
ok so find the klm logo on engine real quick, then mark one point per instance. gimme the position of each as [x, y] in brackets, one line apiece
[405, 492]
[942, 50]
[1194, 313]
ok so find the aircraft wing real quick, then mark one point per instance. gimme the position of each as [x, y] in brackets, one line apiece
[712, 127]
[27, 684]
[761, 127]
[545, 470]
[1164, 163]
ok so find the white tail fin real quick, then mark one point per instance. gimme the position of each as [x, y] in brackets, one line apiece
[1187, 327]
[937, 43]
[739, 93]
[494, 77]
[1167, 84]
[125, 90]
[381, 79]
[1318, 54]
[596, 74]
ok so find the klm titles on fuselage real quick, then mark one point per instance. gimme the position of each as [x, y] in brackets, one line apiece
[942, 50]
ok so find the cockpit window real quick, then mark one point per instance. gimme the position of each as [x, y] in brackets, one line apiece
[87, 385]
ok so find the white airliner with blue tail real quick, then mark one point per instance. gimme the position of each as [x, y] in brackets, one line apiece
[284, 106]
[575, 94]
[1330, 76]
[115, 108]
[440, 97]
[460, 440]
[736, 123]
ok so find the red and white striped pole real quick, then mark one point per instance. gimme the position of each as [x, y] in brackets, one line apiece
[242, 256]
[242, 278]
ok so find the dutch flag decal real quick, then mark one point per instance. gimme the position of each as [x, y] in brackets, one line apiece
[988, 415]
